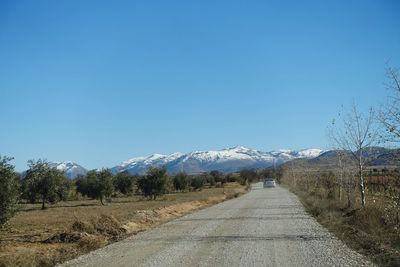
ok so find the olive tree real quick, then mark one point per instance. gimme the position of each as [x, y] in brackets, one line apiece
[181, 181]
[219, 177]
[154, 183]
[123, 182]
[96, 185]
[9, 189]
[44, 183]
[197, 182]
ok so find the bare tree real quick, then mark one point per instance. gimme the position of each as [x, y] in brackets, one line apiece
[356, 133]
[389, 116]
[340, 154]
[343, 167]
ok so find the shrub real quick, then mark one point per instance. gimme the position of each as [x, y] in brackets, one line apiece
[9, 190]
[218, 177]
[210, 180]
[92, 242]
[197, 182]
[97, 185]
[248, 176]
[154, 183]
[230, 178]
[123, 182]
[181, 181]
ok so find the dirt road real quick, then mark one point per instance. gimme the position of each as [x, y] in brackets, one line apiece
[266, 227]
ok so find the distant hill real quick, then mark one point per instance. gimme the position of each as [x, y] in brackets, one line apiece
[375, 156]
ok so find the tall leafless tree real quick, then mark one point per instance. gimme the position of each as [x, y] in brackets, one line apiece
[389, 116]
[340, 154]
[355, 133]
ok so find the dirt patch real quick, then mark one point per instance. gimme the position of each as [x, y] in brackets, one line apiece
[65, 238]
[147, 219]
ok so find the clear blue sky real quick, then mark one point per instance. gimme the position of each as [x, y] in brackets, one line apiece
[99, 82]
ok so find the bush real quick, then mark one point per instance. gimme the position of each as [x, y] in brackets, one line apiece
[230, 178]
[97, 185]
[197, 183]
[248, 176]
[92, 242]
[210, 180]
[218, 177]
[181, 182]
[154, 183]
[123, 182]
[9, 190]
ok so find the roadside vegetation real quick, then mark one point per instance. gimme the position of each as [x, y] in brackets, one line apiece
[9, 190]
[358, 202]
[373, 229]
[46, 219]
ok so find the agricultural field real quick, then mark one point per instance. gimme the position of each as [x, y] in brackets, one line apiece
[36, 237]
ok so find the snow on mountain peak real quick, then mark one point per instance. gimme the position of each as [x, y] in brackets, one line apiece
[227, 160]
[239, 148]
[141, 164]
[69, 168]
[310, 152]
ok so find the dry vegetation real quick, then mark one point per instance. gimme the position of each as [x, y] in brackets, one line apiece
[36, 237]
[373, 230]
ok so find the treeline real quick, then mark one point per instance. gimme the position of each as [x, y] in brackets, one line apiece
[46, 185]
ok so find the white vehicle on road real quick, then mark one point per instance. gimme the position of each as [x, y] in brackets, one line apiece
[269, 182]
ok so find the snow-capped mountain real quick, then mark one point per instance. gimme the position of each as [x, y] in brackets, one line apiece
[140, 165]
[225, 160]
[69, 168]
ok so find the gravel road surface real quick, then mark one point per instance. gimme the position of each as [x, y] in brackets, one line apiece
[266, 227]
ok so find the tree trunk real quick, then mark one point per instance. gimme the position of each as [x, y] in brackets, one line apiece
[349, 190]
[349, 202]
[362, 188]
[101, 200]
[340, 179]
[340, 186]
[43, 203]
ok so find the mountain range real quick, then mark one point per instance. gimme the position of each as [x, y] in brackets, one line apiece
[374, 157]
[225, 160]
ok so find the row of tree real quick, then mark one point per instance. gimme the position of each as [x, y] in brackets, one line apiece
[41, 183]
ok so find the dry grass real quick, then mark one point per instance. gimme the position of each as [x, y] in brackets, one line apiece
[369, 230]
[38, 237]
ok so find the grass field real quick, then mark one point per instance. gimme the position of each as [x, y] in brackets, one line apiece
[36, 237]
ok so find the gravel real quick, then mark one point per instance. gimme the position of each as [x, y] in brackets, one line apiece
[266, 227]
